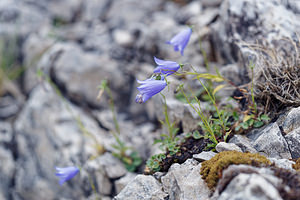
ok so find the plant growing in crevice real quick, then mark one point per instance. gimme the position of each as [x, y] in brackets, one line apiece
[217, 121]
[252, 117]
[126, 154]
[168, 142]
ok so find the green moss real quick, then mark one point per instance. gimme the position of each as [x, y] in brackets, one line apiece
[211, 170]
[296, 166]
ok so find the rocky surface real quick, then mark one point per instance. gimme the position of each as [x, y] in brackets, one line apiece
[142, 187]
[249, 183]
[75, 44]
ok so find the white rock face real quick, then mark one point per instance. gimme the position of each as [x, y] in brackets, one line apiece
[270, 142]
[143, 188]
[184, 182]
[204, 155]
[223, 146]
[252, 20]
[250, 186]
[122, 182]
[48, 135]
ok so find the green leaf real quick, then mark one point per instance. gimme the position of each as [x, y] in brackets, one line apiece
[244, 125]
[211, 145]
[157, 141]
[189, 134]
[258, 124]
[250, 122]
[197, 135]
[237, 128]
[206, 97]
[235, 116]
[265, 117]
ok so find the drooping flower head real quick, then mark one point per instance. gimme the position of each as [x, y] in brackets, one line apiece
[165, 66]
[149, 88]
[66, 173]
[180, 40]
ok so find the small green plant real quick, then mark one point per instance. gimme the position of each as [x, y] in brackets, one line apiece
[168, 142]
[126, 154]
[195, 134]
[153, 163]
[218, 122]
[252, 118]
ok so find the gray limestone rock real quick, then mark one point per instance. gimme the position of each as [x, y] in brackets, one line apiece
[250, 187]
[251, 21]
[48, 135]
[243, 142]
[6, 132]
[94, 172]
[291, 121]
[122, 182]
[112, 166]
[270, 142]
[80, 73]
[123, 38]
[184, 181]
[283, 163]
[121, 14]
[61, 11]
[211, 3]
[293, 140]
[19, 19]
[223, 146]
[33, 49]
[247, 182]
[94, 10]
[204, 155]
[7, 172]
[142, 187]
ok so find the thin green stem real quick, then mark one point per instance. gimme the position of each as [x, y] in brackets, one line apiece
[93, 187]
[206, 62]
[202, 116]
[170, 128]
[212, 98]
[112, 108]
[252, 87]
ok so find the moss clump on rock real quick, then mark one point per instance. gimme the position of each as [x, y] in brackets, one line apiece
[296, 166]
[211, 170]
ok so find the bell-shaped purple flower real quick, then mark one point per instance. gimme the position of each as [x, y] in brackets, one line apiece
[66, 173]
[165, 66]
[149, 88]
[180, 40]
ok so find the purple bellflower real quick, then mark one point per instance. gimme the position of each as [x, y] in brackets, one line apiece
[149, 88]
[165, 66]
[180, 40]
[66, 173]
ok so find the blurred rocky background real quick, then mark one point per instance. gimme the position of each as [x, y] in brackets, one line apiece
[54, 55]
